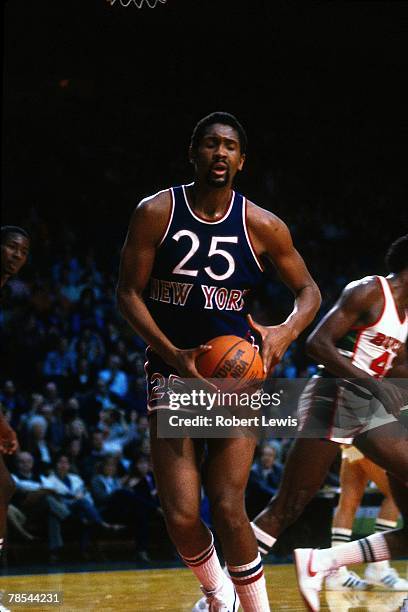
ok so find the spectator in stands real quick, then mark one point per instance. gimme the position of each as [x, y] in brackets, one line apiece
[82, 379]
[114, 377]
[58, 363]
[117, 432]
[95, 455]
[37, 444]
[77, 500]
[76, 428]
[264, 479]
[36, 499]
[97, 400]
[74, 450]
[13, 403]
[52, 395]
[85, 314]
[146, 504]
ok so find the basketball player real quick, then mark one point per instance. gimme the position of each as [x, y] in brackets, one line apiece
[362, 337]
[356, 471]
[191, 255]
[15, 247]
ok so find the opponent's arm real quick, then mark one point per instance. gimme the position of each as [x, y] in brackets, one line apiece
[400, 365]
[399, 372]
[146, 229]
[272, 239]
[354, 308]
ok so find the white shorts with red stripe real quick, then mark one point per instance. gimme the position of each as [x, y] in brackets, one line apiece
[339, 410]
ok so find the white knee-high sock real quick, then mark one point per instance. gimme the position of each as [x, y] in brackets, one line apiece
[382, 525]
[340, 535]
[249, 581]
[367, 550]
[264, 540]
[206, 566]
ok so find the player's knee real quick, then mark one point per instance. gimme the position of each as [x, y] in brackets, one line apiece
[180, 521]
[228, 514]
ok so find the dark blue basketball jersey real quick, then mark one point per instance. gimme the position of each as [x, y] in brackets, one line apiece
[202, 273]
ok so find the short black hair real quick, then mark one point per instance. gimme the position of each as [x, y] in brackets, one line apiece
[6, 230]
[396, 258]
[224, 119]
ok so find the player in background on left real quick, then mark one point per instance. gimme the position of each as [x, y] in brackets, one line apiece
[15, 248]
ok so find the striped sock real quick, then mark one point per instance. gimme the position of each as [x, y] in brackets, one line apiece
[382, 525]
[249, 581]
[339, 535]
[367, 550]
[206, 566]
[264, 540]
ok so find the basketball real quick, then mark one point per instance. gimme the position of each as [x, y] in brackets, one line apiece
[231, 358]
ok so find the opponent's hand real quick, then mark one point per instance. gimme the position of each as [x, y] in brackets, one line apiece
[393, 398]
[184, 361]
[275, 341]
[8, 438]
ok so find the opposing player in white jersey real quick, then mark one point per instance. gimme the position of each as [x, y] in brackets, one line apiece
[359, 341]
[373, 313]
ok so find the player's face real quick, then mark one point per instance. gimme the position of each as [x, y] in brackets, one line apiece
[14, 253]
[218, 157]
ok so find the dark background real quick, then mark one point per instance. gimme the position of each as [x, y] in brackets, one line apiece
[100, 102]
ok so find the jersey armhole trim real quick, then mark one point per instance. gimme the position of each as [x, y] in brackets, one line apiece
[361, 328]
[247, 236]
[169, 220]
[402, 321]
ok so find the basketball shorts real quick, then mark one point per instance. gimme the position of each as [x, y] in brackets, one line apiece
[351, 453]
[339, 410]
[161, 381]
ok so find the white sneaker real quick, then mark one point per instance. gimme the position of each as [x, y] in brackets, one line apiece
[223, 599]
[345, 580]
[386, 577]
[309, 582]
[4, 609]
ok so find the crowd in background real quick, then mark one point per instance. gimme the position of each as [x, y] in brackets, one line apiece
[73, 388]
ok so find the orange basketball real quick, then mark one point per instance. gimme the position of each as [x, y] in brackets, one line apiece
[231, 358]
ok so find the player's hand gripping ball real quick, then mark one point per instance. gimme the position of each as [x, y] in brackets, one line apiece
[234, 360]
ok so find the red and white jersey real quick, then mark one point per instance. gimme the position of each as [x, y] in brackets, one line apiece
[374, 347]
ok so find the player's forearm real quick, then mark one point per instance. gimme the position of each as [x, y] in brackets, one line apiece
[324, 352]
[134, 310]
[307, 304]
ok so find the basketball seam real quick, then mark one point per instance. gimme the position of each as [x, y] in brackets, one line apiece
[230, 349]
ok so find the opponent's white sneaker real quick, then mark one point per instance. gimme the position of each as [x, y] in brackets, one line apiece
[383, 575]
[223, 599]
[309, 582]
[345, 580]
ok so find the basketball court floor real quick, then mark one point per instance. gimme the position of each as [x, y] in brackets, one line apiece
[176, 590]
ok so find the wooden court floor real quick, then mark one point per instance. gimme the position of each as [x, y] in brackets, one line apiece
[176, 590]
